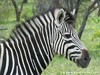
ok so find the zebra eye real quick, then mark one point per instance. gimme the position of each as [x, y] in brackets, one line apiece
[66, 35]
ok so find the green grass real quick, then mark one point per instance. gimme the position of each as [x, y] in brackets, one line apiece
[59, 65]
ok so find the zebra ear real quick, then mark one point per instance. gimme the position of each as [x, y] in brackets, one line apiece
[59, 16]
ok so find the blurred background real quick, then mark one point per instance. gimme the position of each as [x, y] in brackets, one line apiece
[87, 24]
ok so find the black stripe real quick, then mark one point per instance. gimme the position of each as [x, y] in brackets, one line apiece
[38, 54]
[15, 57]
[70, 47]
[57, 38]
[45, 29]
[75, 52]
[20, 59]
[50, 26]
[61, 47]
[73, 57]
[59, 41]
[37, 49]
[40, 44]
[4, 60]
[68, 41]
[10, 60]
[31, 50]
[26, 50]
[43, 40]
[52, 15]
[46, 49]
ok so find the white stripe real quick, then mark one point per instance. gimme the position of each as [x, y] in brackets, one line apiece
[78, 55]
[13, 61]
[73, 50]
[21, 56]
[66, 46]
[52, 36]
[25, 51]
[31, 43]
[24, 48]
[62, 48]
[7, 62]
[38, 23]
[52, 19]
[17, 56]
[17, 70]
[36, 68]
[1, 55]
[24, 29]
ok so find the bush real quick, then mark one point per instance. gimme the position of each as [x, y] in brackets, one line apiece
[4, 12]
[96, 31]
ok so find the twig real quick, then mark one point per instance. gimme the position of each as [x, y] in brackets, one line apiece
[3, 28]
[94, 8]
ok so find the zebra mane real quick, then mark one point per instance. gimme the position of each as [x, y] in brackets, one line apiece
[71, 18]
[35, 16]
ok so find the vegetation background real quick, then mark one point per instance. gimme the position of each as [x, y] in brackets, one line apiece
[59, 65]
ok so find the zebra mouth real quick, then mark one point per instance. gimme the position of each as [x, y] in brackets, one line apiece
[84, 60]
[83, 63]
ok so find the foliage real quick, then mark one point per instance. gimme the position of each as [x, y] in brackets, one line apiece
[96, 31]
[4, 11]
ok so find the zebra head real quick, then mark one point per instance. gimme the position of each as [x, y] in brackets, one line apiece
[67, 42]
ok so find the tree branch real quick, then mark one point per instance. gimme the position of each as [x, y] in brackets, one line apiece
[94, 9]
[76, 9]
[21, 6]
[15, 5]
[17, 10]
[3, 28]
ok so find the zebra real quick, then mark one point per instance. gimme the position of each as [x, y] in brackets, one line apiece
[34, 43]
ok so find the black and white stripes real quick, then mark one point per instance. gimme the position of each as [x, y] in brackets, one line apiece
[33, 43]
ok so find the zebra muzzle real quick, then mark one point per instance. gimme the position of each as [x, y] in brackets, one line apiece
[84, 60]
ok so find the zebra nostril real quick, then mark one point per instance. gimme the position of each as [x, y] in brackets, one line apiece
[86, 58]
[85, 55]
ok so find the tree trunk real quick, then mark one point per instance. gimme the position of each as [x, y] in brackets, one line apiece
[99, 8]
[55, 3]
[87, 13]
[25, 1]
[99, 12]
[71, 5]
[17, 10]
[83, 23]
[77, 8]
[17, 16]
